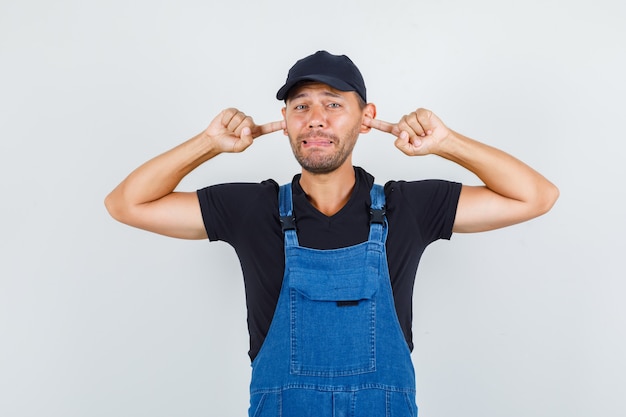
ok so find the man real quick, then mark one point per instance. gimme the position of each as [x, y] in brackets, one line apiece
[329, 260]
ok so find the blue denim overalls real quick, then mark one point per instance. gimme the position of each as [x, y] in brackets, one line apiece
[335, 347]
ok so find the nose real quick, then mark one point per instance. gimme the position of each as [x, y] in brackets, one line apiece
[317, 117]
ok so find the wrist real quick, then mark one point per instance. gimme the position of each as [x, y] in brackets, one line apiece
[449, 145]
[207, 144]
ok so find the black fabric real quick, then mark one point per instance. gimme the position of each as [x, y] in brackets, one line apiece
[337, 71]
[245, 215]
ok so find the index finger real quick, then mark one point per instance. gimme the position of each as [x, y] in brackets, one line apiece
[269, 128]
[381, 125]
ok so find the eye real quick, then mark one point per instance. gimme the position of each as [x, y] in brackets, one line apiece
[300, 107]
[334, 105]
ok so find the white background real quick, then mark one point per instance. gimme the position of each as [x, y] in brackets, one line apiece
[98, 319]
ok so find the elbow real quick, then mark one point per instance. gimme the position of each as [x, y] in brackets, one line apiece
[547, 198]
[114, 207]
[109, 204]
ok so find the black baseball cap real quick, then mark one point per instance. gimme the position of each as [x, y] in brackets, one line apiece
[337, 71]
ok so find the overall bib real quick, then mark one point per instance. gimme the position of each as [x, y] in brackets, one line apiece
[335, 347]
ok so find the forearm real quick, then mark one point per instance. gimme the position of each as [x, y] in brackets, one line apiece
[159, 176]
[513, 191]
[499, 171]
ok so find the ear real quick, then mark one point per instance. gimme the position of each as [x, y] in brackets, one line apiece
[368, 111]
[284, 112]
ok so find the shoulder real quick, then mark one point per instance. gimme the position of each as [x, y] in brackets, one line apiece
[422, 190]
[236, 187]
[415, 192]
[429, 204]
[237, 192]
[227, 207]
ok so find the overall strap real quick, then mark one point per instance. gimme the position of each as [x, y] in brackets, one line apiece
[287, 219]
[378, 221]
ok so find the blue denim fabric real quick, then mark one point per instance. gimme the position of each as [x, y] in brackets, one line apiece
[335, 347]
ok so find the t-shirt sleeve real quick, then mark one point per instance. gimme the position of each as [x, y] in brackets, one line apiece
[226, 207]
[432, 205]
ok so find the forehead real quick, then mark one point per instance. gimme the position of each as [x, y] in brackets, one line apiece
[311, 88]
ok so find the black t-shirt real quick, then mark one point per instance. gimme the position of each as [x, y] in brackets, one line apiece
[246, 216]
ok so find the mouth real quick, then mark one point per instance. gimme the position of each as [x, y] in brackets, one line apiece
[317, 142]
[317, 139]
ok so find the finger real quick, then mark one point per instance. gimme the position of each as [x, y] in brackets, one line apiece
[407, 144]
[427, 119]
[227, 116]
[238, 122]
[411, 124]
[380, 125]
[269, 128]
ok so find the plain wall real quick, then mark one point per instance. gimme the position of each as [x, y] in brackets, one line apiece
[98, 319]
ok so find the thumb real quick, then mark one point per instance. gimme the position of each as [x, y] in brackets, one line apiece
[246, 135]
[245, 140]
[402, 139]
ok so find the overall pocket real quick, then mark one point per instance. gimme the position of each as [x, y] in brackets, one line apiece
[264, 405]
[333, 321]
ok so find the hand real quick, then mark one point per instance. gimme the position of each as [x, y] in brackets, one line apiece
[418, 133]
[233, 131]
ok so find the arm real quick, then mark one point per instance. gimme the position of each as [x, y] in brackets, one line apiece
[513, 191]
[146, 198]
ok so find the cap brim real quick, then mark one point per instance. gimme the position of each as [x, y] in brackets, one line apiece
[331, 81]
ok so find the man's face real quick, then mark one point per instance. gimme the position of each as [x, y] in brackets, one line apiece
[323, 125]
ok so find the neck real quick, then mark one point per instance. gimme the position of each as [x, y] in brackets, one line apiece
[328, 193]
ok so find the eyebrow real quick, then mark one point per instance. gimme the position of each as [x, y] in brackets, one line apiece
[325, 93]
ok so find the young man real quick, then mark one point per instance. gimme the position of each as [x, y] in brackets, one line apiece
[329, 260]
